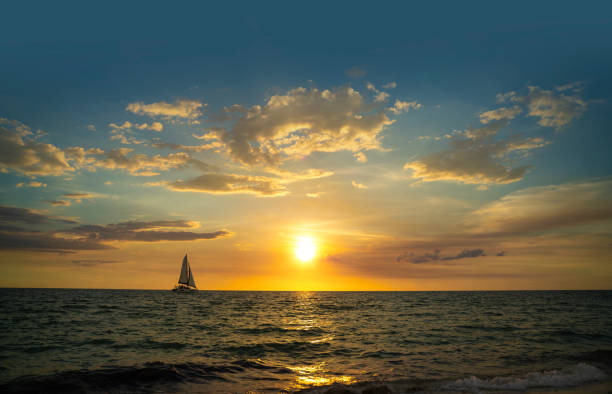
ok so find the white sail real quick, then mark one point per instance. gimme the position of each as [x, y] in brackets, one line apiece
[191, 281]
[185, 272]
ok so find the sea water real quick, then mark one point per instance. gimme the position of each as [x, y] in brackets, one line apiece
[61, 340]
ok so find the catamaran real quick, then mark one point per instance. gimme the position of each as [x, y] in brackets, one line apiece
[185, 282]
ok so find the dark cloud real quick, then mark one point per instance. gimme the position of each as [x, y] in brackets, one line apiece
[28, 216]
[38, 241]
[435, 256]
[88, 237]
[502, 253]
[141, 232]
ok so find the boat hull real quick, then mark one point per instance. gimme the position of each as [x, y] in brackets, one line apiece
[184, 289]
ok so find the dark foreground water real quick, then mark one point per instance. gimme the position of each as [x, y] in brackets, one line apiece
[216, 341]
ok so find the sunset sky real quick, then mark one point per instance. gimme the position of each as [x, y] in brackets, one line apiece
[412, 147]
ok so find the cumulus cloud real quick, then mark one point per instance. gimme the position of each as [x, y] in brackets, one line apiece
[553, 108]
[502, 113]
[379, 96]
[544, 208]
[20, 152]
[404, 106]
[303, 121]
[475, 158]
[356, 72]
[428, 257]
[229, 184]
[184, 109]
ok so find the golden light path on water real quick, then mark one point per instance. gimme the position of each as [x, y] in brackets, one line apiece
[306, 318]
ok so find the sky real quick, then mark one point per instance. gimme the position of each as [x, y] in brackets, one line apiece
[405, 146]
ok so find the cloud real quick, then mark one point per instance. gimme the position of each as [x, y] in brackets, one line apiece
[11, 215]
[20, 152]
[356, 72]
[315, 195]
[91, 127]
[545, 208]
[404, 106]
[137, 231]
[435, 256]
[477, 157]
[380, 96]
[59, 203]
[88, 237]
[94, 262]
[303, 121]
[78, 196]
[555, 109]
[31, 184]
[390, 85]
[229, 184]
[502, 113]
[187, 148]
[358, 185]
[361, 157]
[140, 164]
[155, 126]
[185, 109]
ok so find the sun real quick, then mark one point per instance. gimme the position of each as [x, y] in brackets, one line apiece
[305, 249]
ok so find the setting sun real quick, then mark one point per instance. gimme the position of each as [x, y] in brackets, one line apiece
[305, 249]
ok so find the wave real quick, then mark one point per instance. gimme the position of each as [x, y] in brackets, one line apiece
[575, 376]
[165, 377]
[578, 375]
[146, 378]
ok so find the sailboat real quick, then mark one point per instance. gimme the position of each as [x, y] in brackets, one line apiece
[185, 282]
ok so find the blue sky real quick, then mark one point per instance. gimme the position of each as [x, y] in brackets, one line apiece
[75, 70]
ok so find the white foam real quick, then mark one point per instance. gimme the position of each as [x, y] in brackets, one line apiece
[579, 374]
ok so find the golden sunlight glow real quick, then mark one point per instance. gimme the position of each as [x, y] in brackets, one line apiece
[305, 249]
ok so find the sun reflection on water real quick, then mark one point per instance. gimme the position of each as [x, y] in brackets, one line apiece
[315, 375]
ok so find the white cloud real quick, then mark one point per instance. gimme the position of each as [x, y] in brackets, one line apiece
[390, 85]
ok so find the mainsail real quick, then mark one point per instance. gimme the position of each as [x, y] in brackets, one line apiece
[186, 281]
[185, 271]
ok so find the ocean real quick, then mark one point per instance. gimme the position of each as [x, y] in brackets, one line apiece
[99, 341]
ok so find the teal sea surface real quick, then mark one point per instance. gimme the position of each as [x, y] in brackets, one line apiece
[82, 341]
